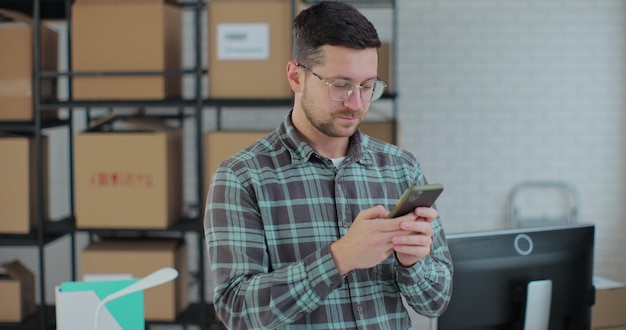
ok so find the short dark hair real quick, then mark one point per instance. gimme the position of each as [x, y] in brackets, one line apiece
[332, 23]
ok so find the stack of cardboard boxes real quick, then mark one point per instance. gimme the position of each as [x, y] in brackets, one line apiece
[250, 45]
[130, 177]
[128, 173]
[17, 284]
[608, 310]
[126, 37]
[18, 184]
[16, 66]
[138, 258]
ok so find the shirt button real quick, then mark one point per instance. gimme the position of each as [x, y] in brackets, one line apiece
[344, 223]
[359, 308]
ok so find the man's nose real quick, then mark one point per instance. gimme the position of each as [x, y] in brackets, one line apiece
[354, 100]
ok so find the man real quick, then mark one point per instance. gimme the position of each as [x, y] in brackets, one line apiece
[294, 223]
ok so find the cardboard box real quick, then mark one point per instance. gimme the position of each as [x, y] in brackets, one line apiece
[383, 130]
[251, 39]
[609, 310]
[130, 177]
[17, 285]
[126, 36]
[16, 66]
[18, 183]
[221, 145]
[140, 257]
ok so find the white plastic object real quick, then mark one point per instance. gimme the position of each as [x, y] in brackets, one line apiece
[158, 277]
[538, 300]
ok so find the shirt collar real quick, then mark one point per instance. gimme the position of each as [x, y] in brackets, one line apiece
[301, 151]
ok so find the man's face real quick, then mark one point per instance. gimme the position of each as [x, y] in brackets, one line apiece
[336, 118]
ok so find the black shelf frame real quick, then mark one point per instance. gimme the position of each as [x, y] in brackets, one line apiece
[165, 103]
[201, 313]
[54, 230]
[44, 232]
[184, 225]
[187, 103]
[192, 316]
[45, 313]
[189, 317]
[29, 126]
[364, 3]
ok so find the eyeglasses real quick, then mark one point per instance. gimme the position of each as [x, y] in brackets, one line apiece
[340, 90]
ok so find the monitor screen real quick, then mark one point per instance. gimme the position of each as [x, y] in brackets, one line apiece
[493, 270]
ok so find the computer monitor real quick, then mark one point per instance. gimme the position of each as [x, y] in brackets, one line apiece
[497, 272]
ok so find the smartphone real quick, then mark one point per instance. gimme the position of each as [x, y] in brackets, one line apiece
[416, 196]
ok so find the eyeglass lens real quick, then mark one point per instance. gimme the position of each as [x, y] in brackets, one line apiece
[341, 90]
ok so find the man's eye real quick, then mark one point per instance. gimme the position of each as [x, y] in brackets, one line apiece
[342, 84]
[368, 86]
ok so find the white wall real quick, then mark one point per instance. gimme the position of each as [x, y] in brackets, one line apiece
[491, 93]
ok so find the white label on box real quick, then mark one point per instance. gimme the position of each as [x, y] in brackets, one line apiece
[604, 283]
[243, 42]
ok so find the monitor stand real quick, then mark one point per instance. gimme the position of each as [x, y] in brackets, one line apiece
[538, 299]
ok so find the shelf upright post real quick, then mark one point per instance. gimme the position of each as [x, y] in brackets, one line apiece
[394, 70]
[70, 113]
[198, 10]
[36, 95]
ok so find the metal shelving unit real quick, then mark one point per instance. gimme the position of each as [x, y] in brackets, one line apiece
[197, 314]
[47, 230]
[200, 313]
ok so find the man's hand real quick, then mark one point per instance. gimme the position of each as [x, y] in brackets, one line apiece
[369, 240]
[417, 237]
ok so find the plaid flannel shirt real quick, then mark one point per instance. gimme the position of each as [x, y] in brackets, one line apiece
[272, 212]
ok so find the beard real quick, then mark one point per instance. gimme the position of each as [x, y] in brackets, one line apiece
[327, 124]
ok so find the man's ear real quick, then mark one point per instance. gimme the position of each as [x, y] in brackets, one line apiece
[295, 76]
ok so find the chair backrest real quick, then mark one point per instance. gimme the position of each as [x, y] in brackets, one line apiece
[535, 203]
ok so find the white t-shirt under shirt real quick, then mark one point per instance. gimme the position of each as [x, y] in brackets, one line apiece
[337, 161]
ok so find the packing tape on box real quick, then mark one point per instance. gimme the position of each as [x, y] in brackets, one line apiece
[15, 87]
